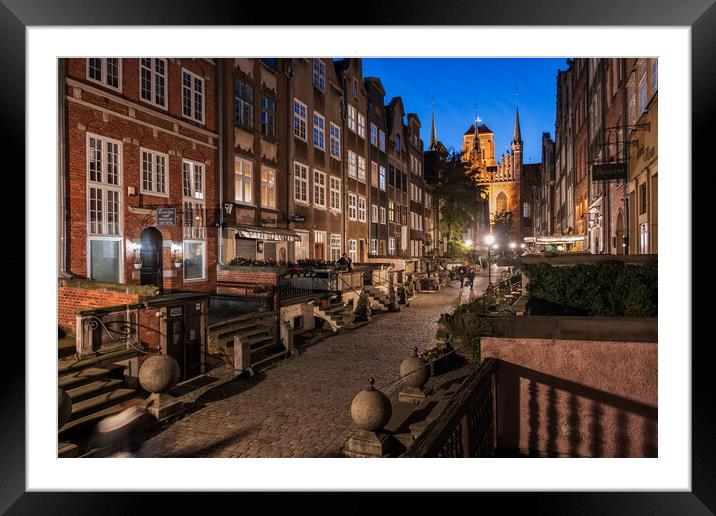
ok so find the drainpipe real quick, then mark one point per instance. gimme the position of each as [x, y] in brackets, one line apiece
[344, 158]
[61, 185]
[222, 159]
[288, 70]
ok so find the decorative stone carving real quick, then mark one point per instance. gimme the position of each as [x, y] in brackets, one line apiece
[268, 79]
[244, 140]
[246, 65]
[159, 373]
[371, 411]
[268, 150]
[415, 374]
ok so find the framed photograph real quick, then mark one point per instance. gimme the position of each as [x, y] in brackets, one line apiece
[487, 171]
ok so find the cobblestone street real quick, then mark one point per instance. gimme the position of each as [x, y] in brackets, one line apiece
[301, 407]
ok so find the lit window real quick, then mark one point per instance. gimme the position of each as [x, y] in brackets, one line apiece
[382, 178]
[243, 181]
[268, 187]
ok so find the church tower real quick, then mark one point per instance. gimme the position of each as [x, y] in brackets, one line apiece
[517, 148]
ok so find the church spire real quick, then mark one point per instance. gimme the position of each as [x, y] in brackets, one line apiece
[433, 133]
[517, 136]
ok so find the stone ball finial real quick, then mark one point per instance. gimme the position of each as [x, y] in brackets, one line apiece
[370, 409]
[64, 407]
[413, 371]
[159, 373]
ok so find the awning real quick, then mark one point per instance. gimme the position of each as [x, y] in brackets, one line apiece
[261, 233]
[565, 239]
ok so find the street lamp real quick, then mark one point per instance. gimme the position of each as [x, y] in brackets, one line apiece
[489, 240]
[468, 243]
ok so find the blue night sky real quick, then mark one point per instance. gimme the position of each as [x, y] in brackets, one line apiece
[458, 84]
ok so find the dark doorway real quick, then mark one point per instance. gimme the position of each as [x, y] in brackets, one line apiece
[151, 255]
[184, 337]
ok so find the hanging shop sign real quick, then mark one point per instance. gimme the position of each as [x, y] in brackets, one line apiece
[608, 171]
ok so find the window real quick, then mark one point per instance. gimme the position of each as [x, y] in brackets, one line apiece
[243, 103]
[373, 246]
[391, 211]
[632, 101]
[319, 245]
[194, 251]
[104, 209]
[381, 140]
[300, 182]
[106, 71]
[642, 198]
[382, 178]
[361, 125]
[152, 81]
[193, 179]
[154, 173]
[374, 174]
[352, 250]
[642, 93]
[319, 131]
[361, 209]
[382, 215]
[352, 201]
[192, 96]
[268, 117]
[299, 119]
[319, 74]
[243, 181]
[527, 210]
[319, 189]
[397, 144]
[374, 213]
[335, 247]
[373, 135]
[391, 246]
[335, 141]
[361, 169]
[352, 118]
[355, 87]
[194, 218]
[352, 164]
[644, 238]
[335, 193]
[268, 187]
[302, 245]
[654, 75]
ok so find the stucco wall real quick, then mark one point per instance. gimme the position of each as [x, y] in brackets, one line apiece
[575, 397]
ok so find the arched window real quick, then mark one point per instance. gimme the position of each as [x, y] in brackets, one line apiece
[501, 202]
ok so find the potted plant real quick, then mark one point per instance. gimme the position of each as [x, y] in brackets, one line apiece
[137, 263]
[177, 262]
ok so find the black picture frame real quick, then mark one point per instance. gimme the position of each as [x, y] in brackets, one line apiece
[700, 15]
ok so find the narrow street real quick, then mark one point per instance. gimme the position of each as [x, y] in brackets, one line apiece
[301, 408]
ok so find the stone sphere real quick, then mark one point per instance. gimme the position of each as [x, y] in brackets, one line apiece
[159, 373]
[64, 407]
[371, 410]
[418, 378]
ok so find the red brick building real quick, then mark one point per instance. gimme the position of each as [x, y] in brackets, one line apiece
[138, 171]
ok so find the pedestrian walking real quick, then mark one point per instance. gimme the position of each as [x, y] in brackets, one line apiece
[461, 271]
[471, 277]
[122, 434]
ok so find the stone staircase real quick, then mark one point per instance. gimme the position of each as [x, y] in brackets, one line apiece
[96, 387]
[379, 299]
[337, 315]
[264, 347]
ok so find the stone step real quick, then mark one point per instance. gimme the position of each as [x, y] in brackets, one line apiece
[91, 390]
[260, 340]
[82, 377]
[100, 402]
[260, 349]
[266, 360]
[67, 366]
[89, 420]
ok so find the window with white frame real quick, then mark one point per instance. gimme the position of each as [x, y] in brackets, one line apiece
[319, 189]
[268, 187]
[302, 246]
[243, 181]
[335, 141]
[391, 211]
[243, 103]
[319, 244]
[391, 246]
[153, 80]
[352, 122]
[154, 173]
[335, 185]
[352, 202]
[192, 96]
[361, 208]
[335, 247]
[374, 213]
[299, 119]
[194, 260]
[193, 179]
[382, 215]
[319, 74]
[361, 169]
[373, 134]
[104, 184]
[381, 140]
[106, 71]
[353, 250]
[300, 182]
[373, 246]
[352, 164]
[361, 125]
[319, 131]
[194, 221]
[382, 178]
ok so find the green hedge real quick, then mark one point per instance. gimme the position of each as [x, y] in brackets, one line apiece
[608, 288]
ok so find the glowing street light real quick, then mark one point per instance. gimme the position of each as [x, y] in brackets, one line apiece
[512, 245]
[468, 242]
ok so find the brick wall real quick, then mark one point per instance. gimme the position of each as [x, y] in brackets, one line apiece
[74, 296]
